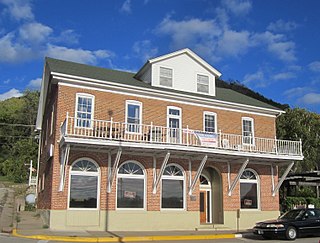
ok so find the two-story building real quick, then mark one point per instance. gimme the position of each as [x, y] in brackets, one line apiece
[160, 149]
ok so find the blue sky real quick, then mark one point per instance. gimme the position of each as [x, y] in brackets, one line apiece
[270, 46]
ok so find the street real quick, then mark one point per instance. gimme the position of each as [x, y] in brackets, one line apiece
[246, 238]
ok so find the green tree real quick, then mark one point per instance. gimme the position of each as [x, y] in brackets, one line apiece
[301, 124]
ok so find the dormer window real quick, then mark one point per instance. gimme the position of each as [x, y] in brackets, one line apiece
[203, 83]
[166, 76]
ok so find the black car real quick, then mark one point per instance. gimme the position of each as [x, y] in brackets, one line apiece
[294, 223]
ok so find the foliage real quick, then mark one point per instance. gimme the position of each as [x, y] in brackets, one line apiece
[293, 202]
[301, 124]
[17, 137]
[306, 191]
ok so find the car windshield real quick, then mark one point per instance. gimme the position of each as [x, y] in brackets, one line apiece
[293, 214]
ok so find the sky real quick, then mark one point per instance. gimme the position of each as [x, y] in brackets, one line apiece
[270, 46]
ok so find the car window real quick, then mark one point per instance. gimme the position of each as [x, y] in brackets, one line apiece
[310, 214]
[293, 214]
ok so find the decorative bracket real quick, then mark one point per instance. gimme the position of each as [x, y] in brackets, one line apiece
[275, 190]
[64, 162]
[159, 176]
[113, 173]
[234, 183]
[196, 177]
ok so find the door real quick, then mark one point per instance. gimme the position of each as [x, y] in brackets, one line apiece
[174, 124]
[203, 207]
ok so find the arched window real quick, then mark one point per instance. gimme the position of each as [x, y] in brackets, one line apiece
[84, 184]
[131, 186]
[173, 188]
[249, 190]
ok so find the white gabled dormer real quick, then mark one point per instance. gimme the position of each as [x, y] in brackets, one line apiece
[181, 70]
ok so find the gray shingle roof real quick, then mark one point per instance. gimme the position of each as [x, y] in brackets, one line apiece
[127, 78]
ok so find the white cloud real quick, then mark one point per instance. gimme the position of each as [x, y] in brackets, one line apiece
[238, 7]
[11, 52]
[144, 50]
[67, 36]
[10, 94]
[296, 92]
[35, 83]
[284, 76]
[18, 9]
[34, 33]
[77, 55]
[7, 81]
[310, 99]
[314, 66]
[282, 26]
[256, 79]
[277, 44]
[126, 7]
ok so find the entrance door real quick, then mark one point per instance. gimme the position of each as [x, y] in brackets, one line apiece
[205, 200]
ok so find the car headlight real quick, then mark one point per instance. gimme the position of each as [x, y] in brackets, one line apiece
[275, 226]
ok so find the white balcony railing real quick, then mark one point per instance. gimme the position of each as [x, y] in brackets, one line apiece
[111, 130]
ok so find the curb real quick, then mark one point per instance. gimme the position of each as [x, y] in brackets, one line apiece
[127, 238]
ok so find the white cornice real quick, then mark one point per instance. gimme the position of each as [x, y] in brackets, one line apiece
[110, 86]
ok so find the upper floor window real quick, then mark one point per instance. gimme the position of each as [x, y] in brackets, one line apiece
[84, 110]
[84, 184]
[133, 116]
[173, 188]
[249, 190]
[131, 186]
[166, 76]
[210, 122]
[202, 83]
[247, 130]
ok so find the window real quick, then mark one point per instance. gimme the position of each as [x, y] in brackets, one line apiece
[84, 110]
[249, 190]
[209, 122]
[172, 188]
[174, 124]
[247, 130]
[133, 116]
[131, 186]
[166, 76]
[84, 182]
[202, 83]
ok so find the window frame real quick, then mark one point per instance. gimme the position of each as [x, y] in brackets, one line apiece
[137, 103]
[252, 131]
[204, 75]
[257, 182]
[210, 113]
[133, 177]
[87, 96]
[81, 173]
[164, 67]
[183, 191]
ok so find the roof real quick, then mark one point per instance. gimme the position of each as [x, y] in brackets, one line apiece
[128, 78]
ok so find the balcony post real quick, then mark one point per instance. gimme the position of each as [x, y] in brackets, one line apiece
[151, 131]
[300, 147]
[67, 118]
[110, 133]
[187, 135]
[276, 144]
[220, 139]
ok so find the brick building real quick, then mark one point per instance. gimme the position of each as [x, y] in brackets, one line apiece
[160, 149]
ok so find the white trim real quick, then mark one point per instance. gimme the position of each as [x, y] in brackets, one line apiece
[237, 107]
[184, 191]
[250, 119]
[88, 96]
[210, 113]
[143, 177]
[137, 103]
[256, 181]
[98, 174]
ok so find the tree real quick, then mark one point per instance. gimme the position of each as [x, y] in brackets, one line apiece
[301, 124]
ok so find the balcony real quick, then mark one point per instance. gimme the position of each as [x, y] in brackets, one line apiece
[110, 132]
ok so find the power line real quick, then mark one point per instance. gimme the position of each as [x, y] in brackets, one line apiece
[16, 125]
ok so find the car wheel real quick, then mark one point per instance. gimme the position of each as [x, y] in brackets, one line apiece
[291, 233]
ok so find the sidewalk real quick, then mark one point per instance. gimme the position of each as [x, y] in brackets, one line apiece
[31, 226]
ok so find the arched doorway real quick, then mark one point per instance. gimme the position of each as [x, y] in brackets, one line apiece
[211, 197]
